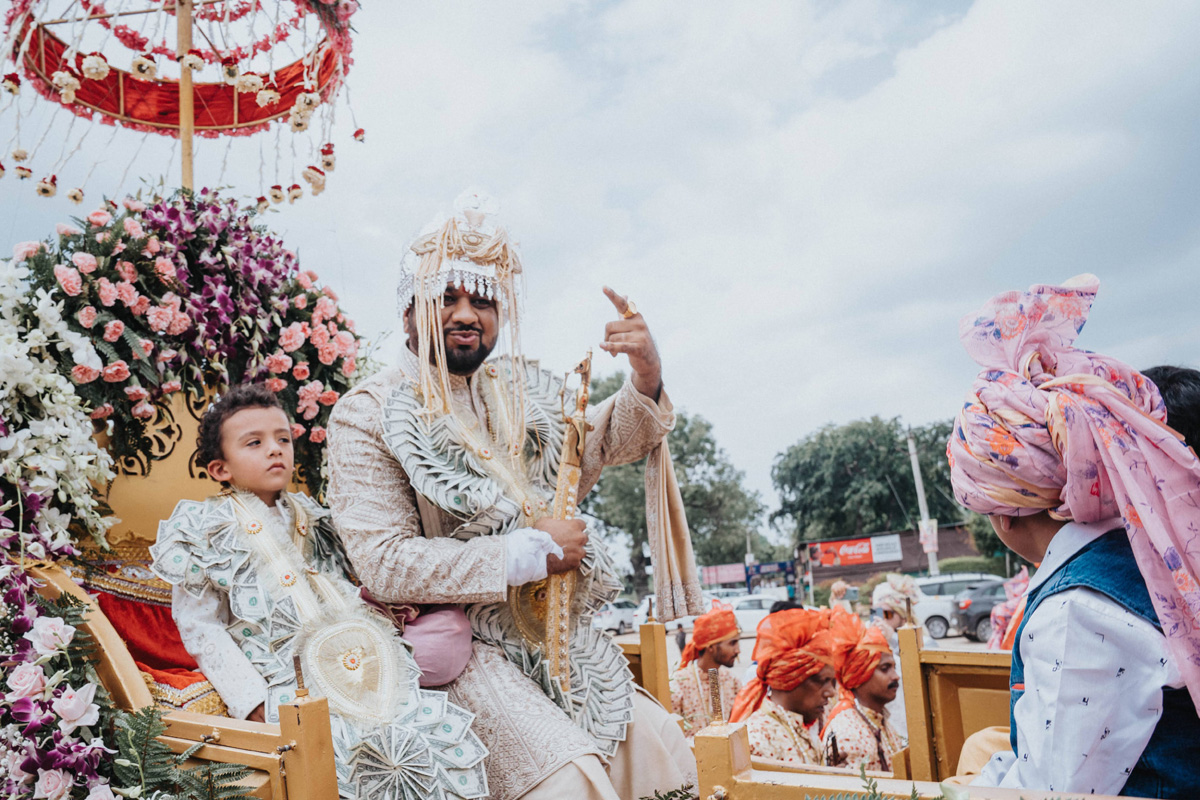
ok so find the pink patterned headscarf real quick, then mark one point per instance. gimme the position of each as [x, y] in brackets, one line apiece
[1049, 427]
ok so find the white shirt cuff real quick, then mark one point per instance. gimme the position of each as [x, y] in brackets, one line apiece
[526, 553]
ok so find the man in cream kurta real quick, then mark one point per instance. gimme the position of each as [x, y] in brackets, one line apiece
[438, 506]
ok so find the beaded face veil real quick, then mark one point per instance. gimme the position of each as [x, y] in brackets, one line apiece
[471, 251]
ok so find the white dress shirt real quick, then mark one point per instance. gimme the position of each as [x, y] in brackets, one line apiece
[1094, 678]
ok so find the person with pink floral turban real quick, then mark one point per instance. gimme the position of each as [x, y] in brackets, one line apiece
[1069, 454]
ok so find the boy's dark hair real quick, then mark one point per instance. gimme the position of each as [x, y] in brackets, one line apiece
[1180, 390]
[242, 396]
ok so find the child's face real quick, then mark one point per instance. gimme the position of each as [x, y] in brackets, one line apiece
[257, 444]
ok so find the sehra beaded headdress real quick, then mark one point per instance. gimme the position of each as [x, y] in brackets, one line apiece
[469, 250]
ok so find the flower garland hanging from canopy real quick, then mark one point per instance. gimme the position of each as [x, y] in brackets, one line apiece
[255, 64]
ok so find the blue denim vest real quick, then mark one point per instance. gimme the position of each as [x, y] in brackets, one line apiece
[1170, 764]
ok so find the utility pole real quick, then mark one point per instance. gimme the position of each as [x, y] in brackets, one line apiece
[749, 561]
[928, 529]
[187, 100]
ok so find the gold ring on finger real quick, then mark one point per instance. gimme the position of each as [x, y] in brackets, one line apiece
[630, 309]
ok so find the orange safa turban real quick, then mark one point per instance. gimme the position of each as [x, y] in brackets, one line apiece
[791, 647]
[857, 648]
[718, 625]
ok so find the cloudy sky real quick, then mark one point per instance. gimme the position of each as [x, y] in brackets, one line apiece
[803, 197]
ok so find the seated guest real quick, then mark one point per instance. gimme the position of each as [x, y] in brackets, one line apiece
[714, 645]
[1068, 454]
[259, 578]
[893, 600]
[859, 731]
[784, 703]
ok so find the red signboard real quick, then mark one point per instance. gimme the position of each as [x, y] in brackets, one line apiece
[849, 552]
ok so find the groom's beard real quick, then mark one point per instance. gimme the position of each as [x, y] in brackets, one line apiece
[463, 361]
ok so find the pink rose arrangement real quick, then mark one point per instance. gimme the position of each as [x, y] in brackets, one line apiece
[48, 698]
[185, 293]
[172, 294]
[61, 739]
[315, 364]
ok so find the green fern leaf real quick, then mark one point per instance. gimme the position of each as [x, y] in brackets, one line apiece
[216, 781]
[142, 760]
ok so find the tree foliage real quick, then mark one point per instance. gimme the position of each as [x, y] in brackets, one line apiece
[984, 536]
[856, 479]
[720, 509]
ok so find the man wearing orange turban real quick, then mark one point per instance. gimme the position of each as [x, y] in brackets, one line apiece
[858, 731]
[714, 645]
[794, 682]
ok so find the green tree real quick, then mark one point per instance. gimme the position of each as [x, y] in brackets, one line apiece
[856, 479]
[984, 536]
[720, 510]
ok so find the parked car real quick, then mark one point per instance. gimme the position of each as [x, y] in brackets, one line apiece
[616, 616]
[750, 611]
[973, 615]
[640, 614]
[935, 610]
[725, 594]
[643, 609]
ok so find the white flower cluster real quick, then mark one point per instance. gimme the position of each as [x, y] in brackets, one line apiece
[49, 447]
[302, 110]
[66, 83]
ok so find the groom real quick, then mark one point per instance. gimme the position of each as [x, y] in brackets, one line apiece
[442, 472]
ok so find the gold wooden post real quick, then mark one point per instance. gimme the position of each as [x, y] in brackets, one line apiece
[187, 107]
[722, 756]
[714, 698]
[921, 758]
[116, 668]
[656, 678]
[310, 768]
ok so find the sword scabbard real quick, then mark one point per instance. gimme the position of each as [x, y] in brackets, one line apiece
[561, 587]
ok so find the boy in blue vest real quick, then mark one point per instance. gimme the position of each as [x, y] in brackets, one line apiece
[1069, 454]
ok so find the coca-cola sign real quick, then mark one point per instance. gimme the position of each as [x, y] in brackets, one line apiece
[847, 552]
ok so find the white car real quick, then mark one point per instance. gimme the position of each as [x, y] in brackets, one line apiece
[616, 616]
[643, 610]
[935, 610]
[750, 610]
[639, 616]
